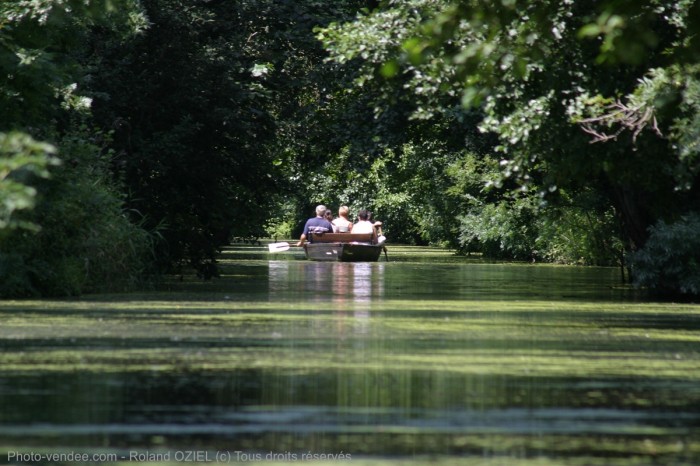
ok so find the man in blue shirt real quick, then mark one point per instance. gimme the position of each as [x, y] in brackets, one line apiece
[316, 224]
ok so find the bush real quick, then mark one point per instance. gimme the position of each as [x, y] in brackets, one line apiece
[669, 262]
[85, 241]
[573, 235]
[505, 230]
[525, 229]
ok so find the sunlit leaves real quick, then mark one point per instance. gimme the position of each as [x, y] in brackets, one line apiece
[21, 159]
[260, 70]
[685, 130]
[390, 69]
[517, 126]
[38, 40]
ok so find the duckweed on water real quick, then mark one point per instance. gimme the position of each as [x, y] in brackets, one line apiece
[440, 362]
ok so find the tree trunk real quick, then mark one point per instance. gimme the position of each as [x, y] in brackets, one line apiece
[631, 206]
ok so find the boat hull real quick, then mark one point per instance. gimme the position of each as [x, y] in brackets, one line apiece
[343, 252]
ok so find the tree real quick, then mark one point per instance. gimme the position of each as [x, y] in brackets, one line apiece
[395, 144]
[565, 66]
[200, 105]
[37, 85]
[551, 78]
[62, 228]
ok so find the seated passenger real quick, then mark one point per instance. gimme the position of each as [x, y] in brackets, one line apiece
[377, 224]
[316, 225]
[342, 223]
[377, 229]
[363, 225]
[329, 216]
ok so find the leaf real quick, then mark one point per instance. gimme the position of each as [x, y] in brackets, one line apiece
[589, 30]
[389, 69]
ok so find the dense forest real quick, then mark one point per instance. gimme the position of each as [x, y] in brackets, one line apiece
[138, 137]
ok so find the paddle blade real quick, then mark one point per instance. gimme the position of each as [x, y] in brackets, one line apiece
[278, 247]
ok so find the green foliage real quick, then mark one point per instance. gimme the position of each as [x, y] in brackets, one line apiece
[685, 129]
[404, 187]
[585, 231]
[65, 233]
[500, 223]
[466, 124]
[22, 160]
[207, 107]
[281, 222]
[86, 242]
[548, 78]
[502, 230]
[399, 134]
[670, 260]
[522, 229]
[38, 40]
[191, 126]
[545, 71]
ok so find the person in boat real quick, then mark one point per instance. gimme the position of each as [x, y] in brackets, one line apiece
[377, 224]
[317, 224]
[377, 229]
[343, 224]
[363, 224]
[329, 216]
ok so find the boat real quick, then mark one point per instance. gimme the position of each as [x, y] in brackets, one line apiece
[343, 247]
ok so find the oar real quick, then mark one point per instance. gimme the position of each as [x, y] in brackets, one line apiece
[278, 247]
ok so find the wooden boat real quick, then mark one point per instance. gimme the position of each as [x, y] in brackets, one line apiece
[343, 247]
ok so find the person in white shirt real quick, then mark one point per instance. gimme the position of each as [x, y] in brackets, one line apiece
[363, 225]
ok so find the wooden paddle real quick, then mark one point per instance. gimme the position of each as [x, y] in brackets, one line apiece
[278, 247]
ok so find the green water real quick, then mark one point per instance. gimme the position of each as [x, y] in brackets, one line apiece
[425, 359]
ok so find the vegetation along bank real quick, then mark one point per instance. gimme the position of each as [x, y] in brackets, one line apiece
[138, 137]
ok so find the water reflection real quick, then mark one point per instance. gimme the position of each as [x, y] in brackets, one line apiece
[346, 288]
[373, 359]
[341, 283]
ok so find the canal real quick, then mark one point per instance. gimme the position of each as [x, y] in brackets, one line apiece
[425, 359]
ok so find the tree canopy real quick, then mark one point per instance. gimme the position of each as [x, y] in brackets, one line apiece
[558, 131]
[594, 104]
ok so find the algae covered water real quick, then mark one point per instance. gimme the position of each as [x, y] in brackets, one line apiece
[425, 359]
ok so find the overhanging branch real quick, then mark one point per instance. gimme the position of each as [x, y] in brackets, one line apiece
[634, 119]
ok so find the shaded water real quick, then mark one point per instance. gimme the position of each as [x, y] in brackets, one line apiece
[426, 358]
